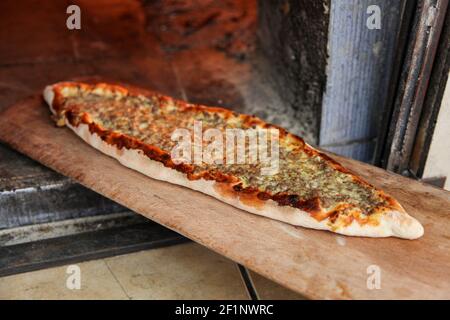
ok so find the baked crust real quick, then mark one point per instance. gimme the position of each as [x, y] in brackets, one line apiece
[386, 218]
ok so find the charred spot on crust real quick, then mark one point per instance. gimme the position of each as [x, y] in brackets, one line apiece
[238, 187]
[333, 216]
[310, 205]
[71, 117]
[264, 196]
[284, 199]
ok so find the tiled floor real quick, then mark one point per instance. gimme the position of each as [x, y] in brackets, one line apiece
[96, 282]
[187, 271]
[269, 290]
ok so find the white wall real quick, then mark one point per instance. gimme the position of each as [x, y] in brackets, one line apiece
[438, 161]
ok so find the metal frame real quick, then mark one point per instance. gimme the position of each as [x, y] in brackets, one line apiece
[75, 248]
[414, 86]
[433, 100]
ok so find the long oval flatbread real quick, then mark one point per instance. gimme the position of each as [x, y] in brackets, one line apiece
[308, 189]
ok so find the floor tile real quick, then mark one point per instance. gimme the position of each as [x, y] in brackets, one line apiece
[269, 290]
[187, 271]
[96, 281]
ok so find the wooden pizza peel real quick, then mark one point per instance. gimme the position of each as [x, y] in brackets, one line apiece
[317, 264]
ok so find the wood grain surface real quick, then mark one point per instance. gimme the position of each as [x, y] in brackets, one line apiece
[317, 264]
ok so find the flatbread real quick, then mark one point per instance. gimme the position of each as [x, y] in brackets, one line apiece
[308, 188]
